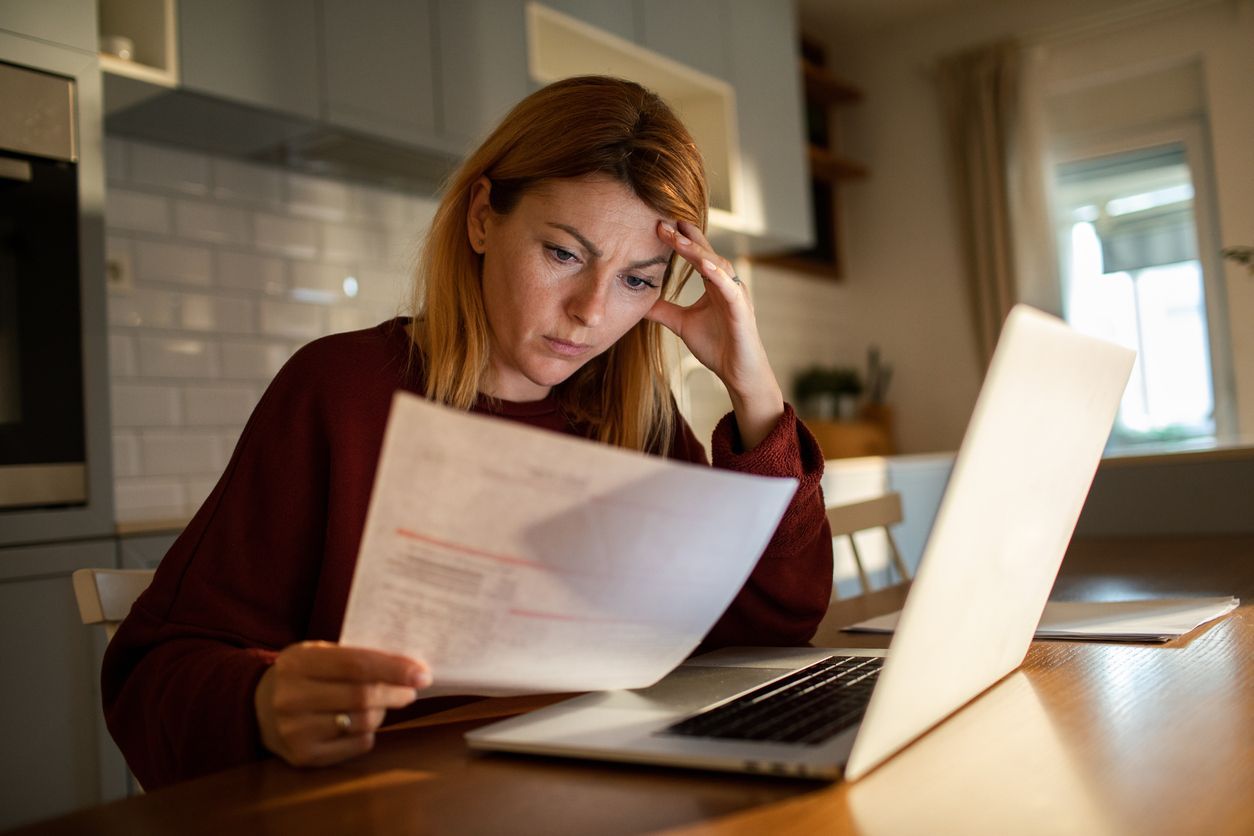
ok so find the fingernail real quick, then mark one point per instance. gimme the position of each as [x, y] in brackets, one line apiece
[421, 679]
[709, 266]
[675, 233]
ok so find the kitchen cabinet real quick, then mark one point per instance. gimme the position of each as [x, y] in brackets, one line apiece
[378, 68]
[761, 38]
[144, 551]
[482, 65]
[260, 54]
[70, 23]
[692, 32]
[58, 756]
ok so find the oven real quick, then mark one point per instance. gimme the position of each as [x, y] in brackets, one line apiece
[42, 416]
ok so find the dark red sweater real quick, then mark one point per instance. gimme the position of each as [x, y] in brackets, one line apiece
[268, 558]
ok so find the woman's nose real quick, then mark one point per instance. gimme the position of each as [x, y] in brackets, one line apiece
[587, 303]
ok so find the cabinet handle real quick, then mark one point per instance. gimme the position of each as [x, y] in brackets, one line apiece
[15, 170]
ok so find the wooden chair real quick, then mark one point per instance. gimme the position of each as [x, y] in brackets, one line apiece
[880, 512]
[105, 595]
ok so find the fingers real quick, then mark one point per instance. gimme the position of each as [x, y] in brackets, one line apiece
[321, 703]
[690, 242]
[333, 662]
[318, 695]
[668, 315]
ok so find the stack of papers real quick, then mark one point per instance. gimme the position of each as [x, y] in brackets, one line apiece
[1157, 620]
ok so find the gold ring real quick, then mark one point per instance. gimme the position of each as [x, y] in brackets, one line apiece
[344, 723]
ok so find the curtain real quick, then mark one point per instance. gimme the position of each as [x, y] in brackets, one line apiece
[979, 91]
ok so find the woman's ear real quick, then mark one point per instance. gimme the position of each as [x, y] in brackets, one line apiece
[478, 213]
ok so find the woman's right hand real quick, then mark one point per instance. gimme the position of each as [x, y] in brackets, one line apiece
[299, 700]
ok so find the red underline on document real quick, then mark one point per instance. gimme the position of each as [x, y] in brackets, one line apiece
[464, 549]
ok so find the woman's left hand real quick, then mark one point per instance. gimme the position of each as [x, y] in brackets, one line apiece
[721, 332]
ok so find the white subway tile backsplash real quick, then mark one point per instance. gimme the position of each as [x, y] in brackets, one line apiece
[294, 237]
[122, 362]
[382, 284]
[144, 405]
[343, 244]
[205, 221]
[126, 455]
[235, 180]
[233, 266]
[218, 406]
[224, 315]
[157, 261]
[180, 453]
[115, 160]
[197, 491]
[136, 211]
[144, 308]
[259, 274]
[314, 281]
[177, 357]
[317, 197]
[253, 360]
[340, 319]
[379, 206]
[169, 168]
[292, 319]
[145, 500]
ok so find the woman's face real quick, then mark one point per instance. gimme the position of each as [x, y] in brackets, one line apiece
[567, 272]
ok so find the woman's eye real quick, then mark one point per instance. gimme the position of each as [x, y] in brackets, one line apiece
[637, 283]
[564, 256]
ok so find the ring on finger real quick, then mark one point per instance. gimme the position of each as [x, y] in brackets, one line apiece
[343, 723]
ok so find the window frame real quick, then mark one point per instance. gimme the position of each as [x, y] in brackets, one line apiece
[1193, 134]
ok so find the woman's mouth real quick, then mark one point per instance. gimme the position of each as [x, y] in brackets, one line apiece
[566, 348]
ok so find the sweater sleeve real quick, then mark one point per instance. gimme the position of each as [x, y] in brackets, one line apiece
[788, 591]
[234, 589]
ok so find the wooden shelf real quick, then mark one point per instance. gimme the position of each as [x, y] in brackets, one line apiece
[829, 167]
[823, 87]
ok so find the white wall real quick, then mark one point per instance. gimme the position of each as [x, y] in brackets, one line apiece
[906, 287]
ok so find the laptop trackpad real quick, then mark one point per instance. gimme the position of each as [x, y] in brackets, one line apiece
[688, 688]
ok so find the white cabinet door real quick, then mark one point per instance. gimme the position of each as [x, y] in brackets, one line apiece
[260, 54]
[761, 36]
[483, 65]
[57, 756]
[378, 64]
[67, 22]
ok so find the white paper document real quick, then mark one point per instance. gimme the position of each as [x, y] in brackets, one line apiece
[1155, 620]
[516, 560]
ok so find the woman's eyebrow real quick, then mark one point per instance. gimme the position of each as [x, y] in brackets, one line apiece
[584, 242]
[588, 245]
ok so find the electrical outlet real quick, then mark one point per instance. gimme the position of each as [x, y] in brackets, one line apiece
[119, 277]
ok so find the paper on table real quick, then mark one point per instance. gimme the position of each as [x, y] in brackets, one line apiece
[1158, 620]
[516, 560]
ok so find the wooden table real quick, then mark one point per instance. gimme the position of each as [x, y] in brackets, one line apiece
[1086, 738]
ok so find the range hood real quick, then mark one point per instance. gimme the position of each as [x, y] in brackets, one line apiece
[212, 125]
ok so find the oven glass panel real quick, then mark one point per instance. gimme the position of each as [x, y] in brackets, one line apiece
[41, 371]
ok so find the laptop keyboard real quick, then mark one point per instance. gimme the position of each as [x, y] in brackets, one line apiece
[808, 706]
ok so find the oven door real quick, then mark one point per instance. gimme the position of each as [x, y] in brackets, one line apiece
[42, 440]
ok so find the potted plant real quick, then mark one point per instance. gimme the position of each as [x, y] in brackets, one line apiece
[828, 392]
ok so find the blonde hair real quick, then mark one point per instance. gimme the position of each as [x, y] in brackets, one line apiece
[590, 125]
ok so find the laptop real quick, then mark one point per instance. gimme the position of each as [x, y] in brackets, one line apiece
[1017, 486]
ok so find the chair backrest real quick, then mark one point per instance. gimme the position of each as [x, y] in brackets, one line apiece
[105, 595]
[880, 512]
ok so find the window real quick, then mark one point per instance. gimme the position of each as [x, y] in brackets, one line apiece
[1128, 240]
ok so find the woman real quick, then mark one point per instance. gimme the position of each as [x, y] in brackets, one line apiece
[541, 299]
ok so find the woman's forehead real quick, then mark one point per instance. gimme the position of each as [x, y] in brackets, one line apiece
[589, 202]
